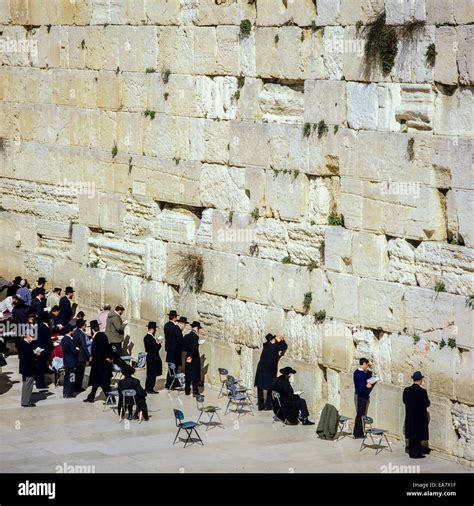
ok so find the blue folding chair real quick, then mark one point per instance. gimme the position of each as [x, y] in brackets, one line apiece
[223, 377]
[379, 434]
[176, 377]
[188, 427]
[211, 411]
[238, 397]
[343, 427]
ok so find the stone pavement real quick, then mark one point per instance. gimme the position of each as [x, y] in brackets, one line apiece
[65, 432]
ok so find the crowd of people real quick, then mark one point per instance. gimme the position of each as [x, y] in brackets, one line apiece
[49, 327]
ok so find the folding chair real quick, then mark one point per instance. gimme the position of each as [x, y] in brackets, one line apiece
[188, 427]
[110, 400]
[57, 365]
[232, 381]
[276, 417]
[240, 398]
[177, 376]
[128, 401]
[117, 370]
[222, 373]
[141, 360]
[343, 427]
[210, 410]
[379, 434]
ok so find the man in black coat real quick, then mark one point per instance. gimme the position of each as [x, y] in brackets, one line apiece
[20, 310]
[101, 362]
[80, 340]
[154, 366]
[70, 353]
[192, 368]
[13, 287]
[66, 314]
[293, 407]
[45, 342]
[416, 403]
[131, 383]
[40, 287]
[171, 344]
[27, 359]
[267, 369]
[38, 303]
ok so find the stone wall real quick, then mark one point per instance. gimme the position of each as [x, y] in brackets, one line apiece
[134, 133]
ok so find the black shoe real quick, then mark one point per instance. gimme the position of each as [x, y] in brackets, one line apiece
[268, 408]
[88, 400]
[152, 392]
[187, 393]
[306, 421]
[80, 390]
[261, 408]
[129, 417]
[292, 423]
[146, 418]
[30, 405]
[419, 457]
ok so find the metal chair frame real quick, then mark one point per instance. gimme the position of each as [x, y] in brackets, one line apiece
[222, 372]
[57, 371]
[379, 434]
[177, 376]
[239, 397]
[129, 393]
[276, 398]
[179, 417]
[210, 411]
[342, 425]
[108, 400]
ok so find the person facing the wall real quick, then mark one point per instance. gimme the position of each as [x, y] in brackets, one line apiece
[115, 329]
[416, 403]
[154, 367]
[267, 368]
[192, 368]
[27, 357]
[362, 393]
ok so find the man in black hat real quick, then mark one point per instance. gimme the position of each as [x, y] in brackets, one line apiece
[40, 285]
[416, 403]
[27, 357]
[45, 342]
[192, 368]
[173, 343]
[70, 353]
[13, 287]
[293, 407]
[154, 366]
[267, 369]
[80, 340]
[38, 303]
[131, 383]
[101, 362]
[65, 306]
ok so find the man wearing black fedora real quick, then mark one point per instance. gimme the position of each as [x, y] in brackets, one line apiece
[293, 407]
[416, 403]
[267, 369]
[173, 344]
[192, 368]
[65, 306]
[154, 366]
[40, 285]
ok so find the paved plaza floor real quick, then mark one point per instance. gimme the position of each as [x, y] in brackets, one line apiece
[68, 432]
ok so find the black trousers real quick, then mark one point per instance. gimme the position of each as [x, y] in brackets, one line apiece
[42, 366]
[140, 405]
[187, 386]
[264, 402]
[304, 413]
[150, 379]
[80, 370]
[69, 382]
[103, 383]
[362, 405]
[415, 451]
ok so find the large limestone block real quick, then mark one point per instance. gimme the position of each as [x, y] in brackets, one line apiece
[321, 290]
[381, 304]
[400, 13]
[439, 12]
[176, 225]
[225, 12]
[155, 259]
[334, 50]
[355, 10]
[362, 106]
[228, 50]
[254, 279]
[220, 273]
[460, 206]
[387, 408]
[325, 100]
[281, 103]
[442, 433]
[210, 140]
[288, 150]
[463, 12]
[270, 13]
[289, 284]
[453, 113]
[464, 378]
[224, 188]
[464, 322]
[416, 106]
[174, 258]
[369, 255]
[175, 49]
[304, 339]
[465, 40]
[446, 70]
[328, 12]
[286, 195]
[215, 98]
[305, 244]
[338, 249]
[248, 146]
[272, 239]
[345, 296]
[244, 323]
[338, 346]
[104, 210]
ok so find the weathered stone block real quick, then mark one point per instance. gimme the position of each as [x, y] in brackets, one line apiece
[220, 273]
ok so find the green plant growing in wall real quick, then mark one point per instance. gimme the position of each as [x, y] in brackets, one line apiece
[302, 36]
[440, 287]
[307, 130]
[322, 129]
[236, 95]
[150, 70]
[83, 44]
[359, 24]
[94, 263]
[381, 45]
[320, 316]
[114, 150]
[312, 265]
[431, 54]
[276, 38]
[470, 302]
[442, 344]
[245, 27]
[454, 241]
[150, 114]
[255, 214]
[416, 338]
[452, 342]
[166, 95]
[165, 76]
[240, 81]
[190, 267]
[117, 70]
[336, 129]
[335, 220]
[130, 166]
[411, 148]
[287, 260]
[230, 216]
[308, 298]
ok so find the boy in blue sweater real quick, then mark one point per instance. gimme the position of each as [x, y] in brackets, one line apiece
[362, 392]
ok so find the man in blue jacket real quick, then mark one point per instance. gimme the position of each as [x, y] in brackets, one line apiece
[70, 353]
[362, 392]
